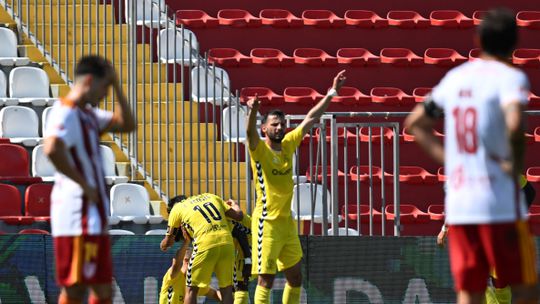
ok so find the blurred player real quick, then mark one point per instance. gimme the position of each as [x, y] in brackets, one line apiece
[242, 265]
[276, 245]
[204, 219]
[483, 154]
[79, 201]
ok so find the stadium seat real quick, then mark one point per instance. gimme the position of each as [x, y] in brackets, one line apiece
[120, 232]
[477, 17]
[37, 201]
[270, 57]
[150, 13]
[413, 175]
[10, 202]
[8, 49]
[227, 57]
[37, 94]
[131, 202]
[391, 96]
[14, 166]
[361, 173]
[171, 46]
[441, 175]
[265, 95]
[534, 214]
[407, 19]
[322, 19]
[536, 134]
[388, 134]
[407, 214]
[156, 232]
[41, 165]
[352, 213]
[20, 125]
[344, 232]
[280, 18]
[301, 95]
[534, 100]
[350, 96]
[450, 19]
[4, 100]
[45, 119]
[365, 19]
[474, 54]
[420, 94]
[533, 174]
[529, 19]
[526, 57]
[303, 192]
[318, 173]
[108, 162]
[234, 123]
[313, 57]
[357, 57]
[400, 57]
[195, 19]
[342, 134]
[218, 93]
[436, 212]
[34, 231]
[238, 18]
[443, 57]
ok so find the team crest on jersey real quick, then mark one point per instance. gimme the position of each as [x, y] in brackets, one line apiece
[89, 269]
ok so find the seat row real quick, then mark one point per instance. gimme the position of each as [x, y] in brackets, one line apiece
[17, 91]
[9, 55]
[327, 19]
[229, 57]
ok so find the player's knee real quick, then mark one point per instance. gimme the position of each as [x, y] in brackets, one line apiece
[295, 279]
[266, 280]
[241, 286]
[75, 292]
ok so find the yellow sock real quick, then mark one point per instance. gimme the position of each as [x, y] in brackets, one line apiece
[498, 295]
[291, 295]
[262, 295]
[241, 297]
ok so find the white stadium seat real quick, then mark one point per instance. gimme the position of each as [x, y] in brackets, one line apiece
[4, 100]
[37, 93]
[108, 161]
[44, 118]
[156, 232]
[20, 125]
[148, 12]
[120, 232]
[344, 231]
[234, 123]
[304, 193]
[217, 93]
[131, 202]
[8, 49]
[171, 40]
[41, 165]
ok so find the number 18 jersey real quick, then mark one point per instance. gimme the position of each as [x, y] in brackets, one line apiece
[203, 217]
[472, 97]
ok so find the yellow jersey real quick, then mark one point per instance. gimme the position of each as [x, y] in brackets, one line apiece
[272, 171]
[203, 217]
[172, 289]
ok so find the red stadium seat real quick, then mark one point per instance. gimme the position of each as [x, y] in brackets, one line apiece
[365, 19]
[388, 134]
[413, 175]
[342, 134]
[351, 96]
[533, 174]
[534, 214]
[10, 211]
[526, 57]
[443, 57]
[14, 166]
[322, 19]
[318, 173]
[352, 212]
[391, 96]
[420, 94]
[400, 57]
[361, 173]
[238, 18]
[408, 137]
[33, 231]
[195, 19]
[313, 57]
[440, 174]
[530, 19]
[267, 96]
[436, 212]
[407, 214]
[4, 141]
[407, 19]
[37, 201]
[474, 54]
[450, 19]
[477, 17]
[534, 100]
[270, 57]
[301, 95]
[357, 57]
[228, 57]
[280, 18]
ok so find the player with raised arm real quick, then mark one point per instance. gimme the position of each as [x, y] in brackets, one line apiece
[275, 244]
[79, 200]
[483, 102]
[204, 218]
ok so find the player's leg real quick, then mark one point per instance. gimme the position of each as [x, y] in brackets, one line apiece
[199, 272]
[69, 253]
[210, 293]
[267, 243]
[224, 272]
[101, 294]
[72, 294]
[98, 255]
[191, 295]
[241, 281]
[289, 261]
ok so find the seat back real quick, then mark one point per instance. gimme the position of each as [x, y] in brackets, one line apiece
[3, 83]
[171, 40]
[211, 93]
[146, 9]
[108, 160]
[304, 193]
[20, 77]
[129, 200]
[10, 200]
[342, 231]
[45, 118]
[17, 121]
[38, 200]
[41, 165]
[14, 161]
[234, 123]
[8, 47]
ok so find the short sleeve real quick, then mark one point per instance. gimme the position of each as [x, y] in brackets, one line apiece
[294, 138]
[63, 124]
[175, 219]
[515, 88]
[441, 91]
[220, 201]
[104, 119]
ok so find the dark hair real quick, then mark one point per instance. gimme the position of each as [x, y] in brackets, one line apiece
[274, 112]
[173, 201]
[94, 65]
[498, 32]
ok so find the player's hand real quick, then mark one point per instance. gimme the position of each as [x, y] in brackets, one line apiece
[254, 103]
[90, 193]
[164, 245]
[441, 238]
[246, 271]
[234, 205]
[339, 80]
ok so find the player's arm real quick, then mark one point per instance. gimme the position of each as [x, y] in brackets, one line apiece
[177, 262]
[240, 235]
[252, 134]
[234, 212]
[515, 127]
[420, 123]
[172, 231]
[123, 119]
[318, 110]
[55, 149]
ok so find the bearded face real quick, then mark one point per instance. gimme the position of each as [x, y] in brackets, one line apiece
[274, 128]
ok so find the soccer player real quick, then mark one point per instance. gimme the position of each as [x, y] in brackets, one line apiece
[242, 265]
[275, 245]
[204, 219]
[79, 201]
[483, 102]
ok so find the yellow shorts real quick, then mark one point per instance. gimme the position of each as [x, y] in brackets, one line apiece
[275, 245]
[218, 260]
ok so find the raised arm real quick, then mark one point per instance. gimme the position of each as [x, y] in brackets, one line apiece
[177, 263]
[318, 110]
[234, 212]
[252, 134]
[123, 119]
